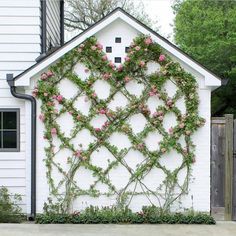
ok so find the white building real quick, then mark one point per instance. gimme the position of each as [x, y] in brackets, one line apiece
[28, 29]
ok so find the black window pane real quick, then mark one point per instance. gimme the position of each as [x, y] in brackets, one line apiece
[9, 139]
[118, 40]
[126, 49]
[9, 120]
[117, 59]
[109, 49]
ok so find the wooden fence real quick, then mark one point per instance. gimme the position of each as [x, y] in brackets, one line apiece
[223, 168]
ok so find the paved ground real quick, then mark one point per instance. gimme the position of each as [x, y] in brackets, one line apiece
[220, 229]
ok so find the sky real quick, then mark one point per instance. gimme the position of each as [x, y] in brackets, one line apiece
[161, 11]
[158, 10]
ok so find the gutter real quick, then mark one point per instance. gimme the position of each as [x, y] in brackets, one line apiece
[10, 81]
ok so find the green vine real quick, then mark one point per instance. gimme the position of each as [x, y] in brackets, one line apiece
[91, 55]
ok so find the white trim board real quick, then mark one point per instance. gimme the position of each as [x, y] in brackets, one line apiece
[23, 79]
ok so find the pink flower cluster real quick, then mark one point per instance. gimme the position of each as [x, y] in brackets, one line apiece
[53, 131]
[106, 76]
[102, 111]
[127, 79]
[162, 57]
[59, 98]
[148, 41]
[159, 115]
[153, 91]
[35, 92]
[46, 75]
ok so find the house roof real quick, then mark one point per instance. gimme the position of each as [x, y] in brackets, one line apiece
[23, 79]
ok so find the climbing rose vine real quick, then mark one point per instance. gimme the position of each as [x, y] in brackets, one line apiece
[90, 54]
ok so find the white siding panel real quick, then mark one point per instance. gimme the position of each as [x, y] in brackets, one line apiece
[12, 156]
[17, 190]
[19, 11]
[19, 3]
[6, 57]
[19, 20]
[20, 48]
[32, 39]
[12, 173]
[12, 182]
[9, 164]
[16, 65]
[22, 29]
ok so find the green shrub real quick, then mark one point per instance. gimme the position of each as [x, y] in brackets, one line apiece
[113, 215]
[9, 211]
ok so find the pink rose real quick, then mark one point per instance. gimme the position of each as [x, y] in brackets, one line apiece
[162, 57]
[78, 117]
[99, 46]
[127, 59]
[148, 41]
[104, 58]
[78, 153]
[171, 130]
[161, 118]
[111, 64]
[97, 129]
[50, 73]
[44, 76]
[137, 48]
[94, 95]
[169, 102]
[53, 131]
[120, 68]
[142, 63]
[81, 45]
[42, 117]
[106, 76]
[93, 47]
[181, 125]
[59, 98]
[45, 94]
[155, 114]
[102, 111]
[127, 79]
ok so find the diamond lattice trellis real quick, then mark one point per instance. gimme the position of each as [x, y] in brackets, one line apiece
[149, 86]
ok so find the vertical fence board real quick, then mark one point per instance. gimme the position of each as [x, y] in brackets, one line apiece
[228, 166]
[234, 176]
[217, 168]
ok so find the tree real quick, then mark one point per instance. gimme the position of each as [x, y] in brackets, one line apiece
[81, 14]
[206, 30]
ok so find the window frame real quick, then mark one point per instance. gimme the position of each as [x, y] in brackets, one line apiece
[17, 149]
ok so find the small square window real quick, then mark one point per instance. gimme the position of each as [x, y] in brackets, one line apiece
[126, 49]
[118, 40]
[109, 49]
[9, 130]
[117, 59]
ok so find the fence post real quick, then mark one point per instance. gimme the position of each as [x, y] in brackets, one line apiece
[228, 166]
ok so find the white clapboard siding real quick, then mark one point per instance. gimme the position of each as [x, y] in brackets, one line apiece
[11, 182]
[17, 190]
[11, 164]
[19, 3]
[12, 173]
[21, 65]
[20, 48]
[6, 57]
[6, 20]
[19, 11]
[19, 29]
[25, 39]
[12, 156]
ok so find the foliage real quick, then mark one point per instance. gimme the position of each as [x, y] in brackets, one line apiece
[10, 212]
[205, 29]
[106, 215]
[82, 14]
[142, 51]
